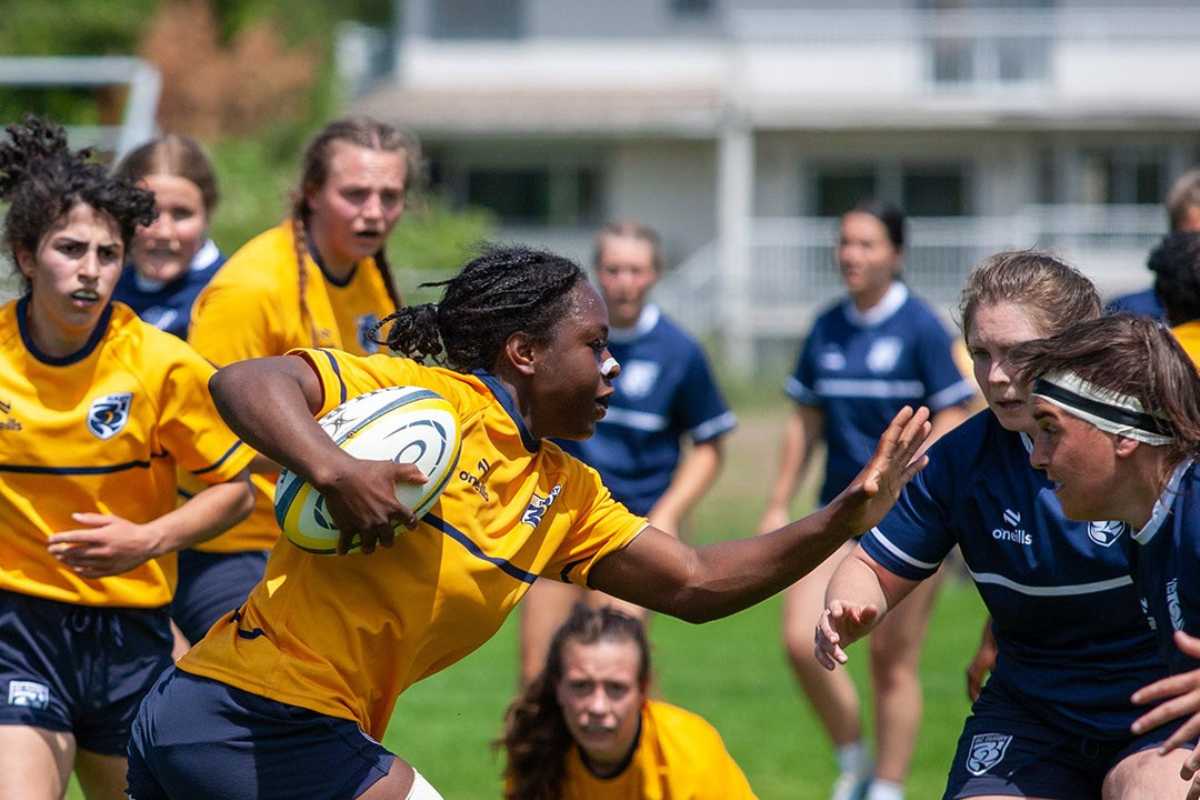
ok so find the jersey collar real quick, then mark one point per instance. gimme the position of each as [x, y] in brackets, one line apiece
[1162, 506]
[893, 299]
[645, 323]
[316, 257]
[71, 358]
[506, 400]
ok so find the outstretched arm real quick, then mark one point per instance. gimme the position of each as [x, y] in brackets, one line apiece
[659, 572]
[269, 403]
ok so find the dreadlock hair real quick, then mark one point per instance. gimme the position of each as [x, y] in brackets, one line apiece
[1129, 355]
[1051, 293]
[42, 179]
[536, 739]
[371, 135]
[172, 154]
[505, 290]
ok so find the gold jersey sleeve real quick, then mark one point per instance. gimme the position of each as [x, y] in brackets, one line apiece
[678, 756]
[345, 635]
[103, 431]
[252, 308]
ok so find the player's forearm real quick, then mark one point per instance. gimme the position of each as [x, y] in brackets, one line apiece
[269, 404]
[853, 582]
[207, 514]
[695, 473]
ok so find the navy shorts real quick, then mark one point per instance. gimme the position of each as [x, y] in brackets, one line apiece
[79, 669]
[200, 739]
[211, 585]
[1006, 750]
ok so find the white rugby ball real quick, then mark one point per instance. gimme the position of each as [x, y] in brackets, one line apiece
[405, 424]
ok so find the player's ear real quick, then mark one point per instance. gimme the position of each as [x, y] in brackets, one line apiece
[519, 351]
[1125, 447]
[25, 261]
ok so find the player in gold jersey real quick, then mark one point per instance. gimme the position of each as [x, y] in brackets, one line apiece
[320, 279]
[99, 410]
[290, 695]
[585, 728]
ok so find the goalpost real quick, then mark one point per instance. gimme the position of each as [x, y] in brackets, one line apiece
[142, 79]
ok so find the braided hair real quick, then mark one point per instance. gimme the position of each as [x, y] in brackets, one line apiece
[42, 179]
[505, 290]
[366, 133]
[536, 738]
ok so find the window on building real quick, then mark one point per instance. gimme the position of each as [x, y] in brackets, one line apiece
[691, 8]
[475, 19]
[938, 191]
[922, 190]
[1123, 176]
[520, 196]
[838, 190]
[965, 48]
[558, 196]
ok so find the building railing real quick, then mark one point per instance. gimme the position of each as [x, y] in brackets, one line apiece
[793, 273]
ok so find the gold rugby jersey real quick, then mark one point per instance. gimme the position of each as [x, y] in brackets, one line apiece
[345, 635]
[103, 431]
[251, 308]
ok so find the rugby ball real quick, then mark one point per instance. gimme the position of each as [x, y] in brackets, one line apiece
[405, 424]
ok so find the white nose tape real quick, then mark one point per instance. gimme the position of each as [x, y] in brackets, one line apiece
[608, 367]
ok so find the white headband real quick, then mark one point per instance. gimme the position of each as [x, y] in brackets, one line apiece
[1103, 408]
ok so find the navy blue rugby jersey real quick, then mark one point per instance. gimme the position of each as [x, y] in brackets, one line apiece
[862, 368]
[1072, 637]
[168, 306]
[665, 392]
[1166, 565]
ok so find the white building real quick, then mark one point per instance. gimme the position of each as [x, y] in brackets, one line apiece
[737, 127]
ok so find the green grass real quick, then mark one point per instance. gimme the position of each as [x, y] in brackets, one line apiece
[733, 671]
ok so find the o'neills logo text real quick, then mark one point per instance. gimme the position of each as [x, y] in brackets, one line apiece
[1013, 533]
[10, 425]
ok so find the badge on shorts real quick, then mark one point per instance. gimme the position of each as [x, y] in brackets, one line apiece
[987, 750]
[28, 694]
[107, 415]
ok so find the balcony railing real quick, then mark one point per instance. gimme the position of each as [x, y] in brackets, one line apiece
[792, 273]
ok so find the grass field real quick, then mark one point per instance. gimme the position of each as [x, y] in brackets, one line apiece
[732, 671]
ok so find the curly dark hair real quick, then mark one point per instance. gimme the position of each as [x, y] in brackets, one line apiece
[505, 290]
[536, 739]
[42, 179]
[1175, 262]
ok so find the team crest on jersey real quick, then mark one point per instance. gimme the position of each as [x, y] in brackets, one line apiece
[987, 750]
[1105, 533]
[884, 354]
[832, 358]
[107, 415]
[28, 694]
[365, 325]
[537, 507]
[638, 378]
